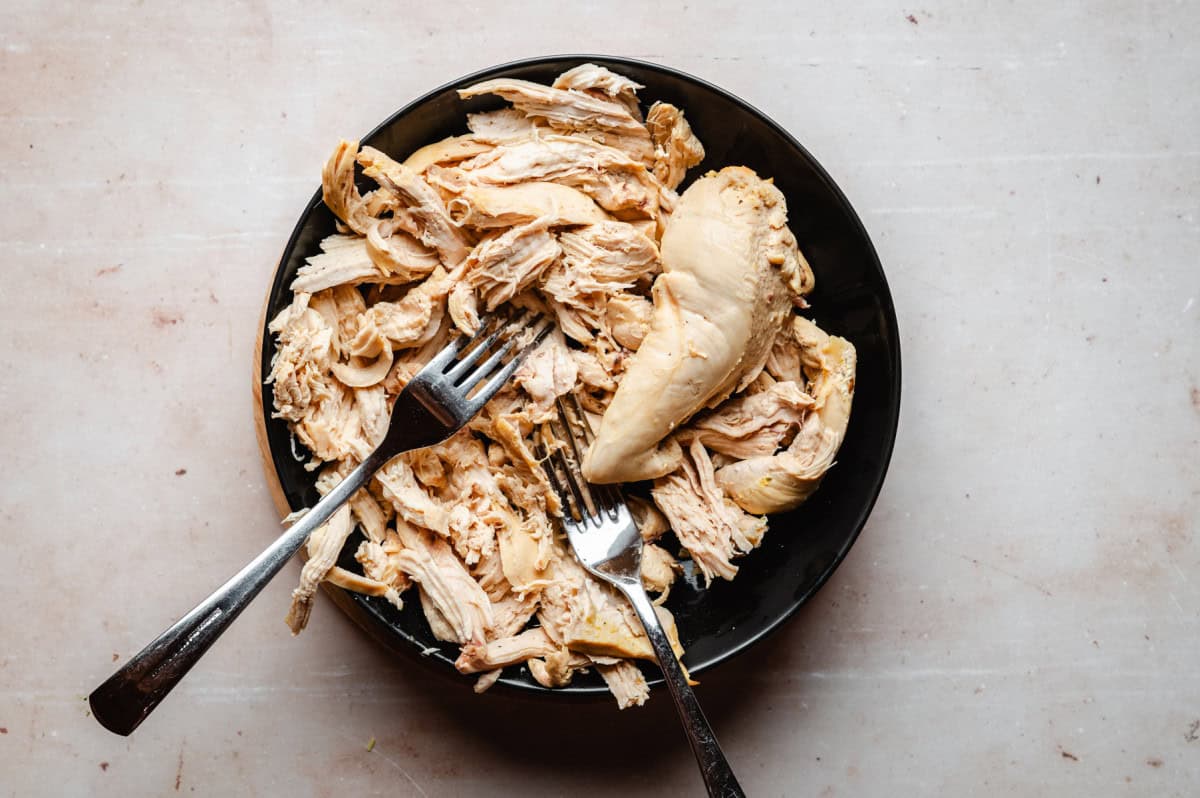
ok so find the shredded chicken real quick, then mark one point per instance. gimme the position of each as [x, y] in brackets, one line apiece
[707, 522]
[677, 332]
[568, 110]
[676, 148]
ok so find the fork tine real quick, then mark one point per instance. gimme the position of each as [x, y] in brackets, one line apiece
[553, 461]
[450, 351]
[606, 496]
[577, 487]
[543, 455]
[602, 497]
[489, 389]
[493, 331]
[584, 424]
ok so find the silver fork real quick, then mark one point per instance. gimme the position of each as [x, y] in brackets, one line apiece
[443, 396]
[608, 544]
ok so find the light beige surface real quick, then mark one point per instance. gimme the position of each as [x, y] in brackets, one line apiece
[1020, 615]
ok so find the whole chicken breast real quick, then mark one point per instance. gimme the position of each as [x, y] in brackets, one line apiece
[731, 272]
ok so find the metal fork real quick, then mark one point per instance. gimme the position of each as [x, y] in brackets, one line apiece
[608, 544]
[443, 396]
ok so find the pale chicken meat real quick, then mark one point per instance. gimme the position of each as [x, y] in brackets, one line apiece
[488, 207]
[677, 333]
[339, 191]
[617, 182]
[731, 272]
[628, 319]
[590, 114]
[707, 522]
[676, 148]
[599, 263]
[347, 260]
[600, 81]
[393, 247]
[775, 484]
[501, 267]
[460, 609]
[627, 683]
[417, 198]
[506, 124]
[323, 547]
[754, 425]
[447, 151]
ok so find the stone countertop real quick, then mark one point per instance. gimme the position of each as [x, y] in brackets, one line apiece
[1020, 614]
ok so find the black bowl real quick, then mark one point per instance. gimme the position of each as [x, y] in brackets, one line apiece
[851, 299]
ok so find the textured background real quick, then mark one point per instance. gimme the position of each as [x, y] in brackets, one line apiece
[1019, 616]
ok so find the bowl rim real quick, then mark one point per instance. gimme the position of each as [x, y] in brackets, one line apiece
[365, 615]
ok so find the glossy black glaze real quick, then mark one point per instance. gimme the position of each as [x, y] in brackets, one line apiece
[851, 299]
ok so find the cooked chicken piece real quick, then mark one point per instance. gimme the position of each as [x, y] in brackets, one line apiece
[676, 148]
[476, 657]
[411, 501]
[503, 125]
[512, 612]
[781, 483]
[303, 352]
[598, 262]
[524, 481]
[447, 588]
[489, 573]
[345, 424]
[333, 421]
[428, 467]
[343, 260]
[556, 670]
[597, 369]
[626, 682]
[568, 111]
[659, 569]
[369, 515]
[628, 319]
[447, 151]
[340, 307]
[379, 562]
[480, 518]
[603, 624]
[410, 322]
[525, 548]
[348, 580]
[437, 229]
[711, 527]
[339, 191]
[598, 80]
[476, 507]
[730, 272]
[650, 520]
[486, 207]
[370, 360]
[556, 613]
[485, 681]
[396, 252]
[614, 180]
[754, 425]
[323, 546]
[463, 306]
[508, 263]
[548, 373]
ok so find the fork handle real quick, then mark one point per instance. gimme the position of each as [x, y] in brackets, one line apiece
[132, 693]
[714, 768]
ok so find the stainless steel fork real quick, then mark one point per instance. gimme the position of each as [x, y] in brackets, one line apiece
[443, 396]
[608, 544]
